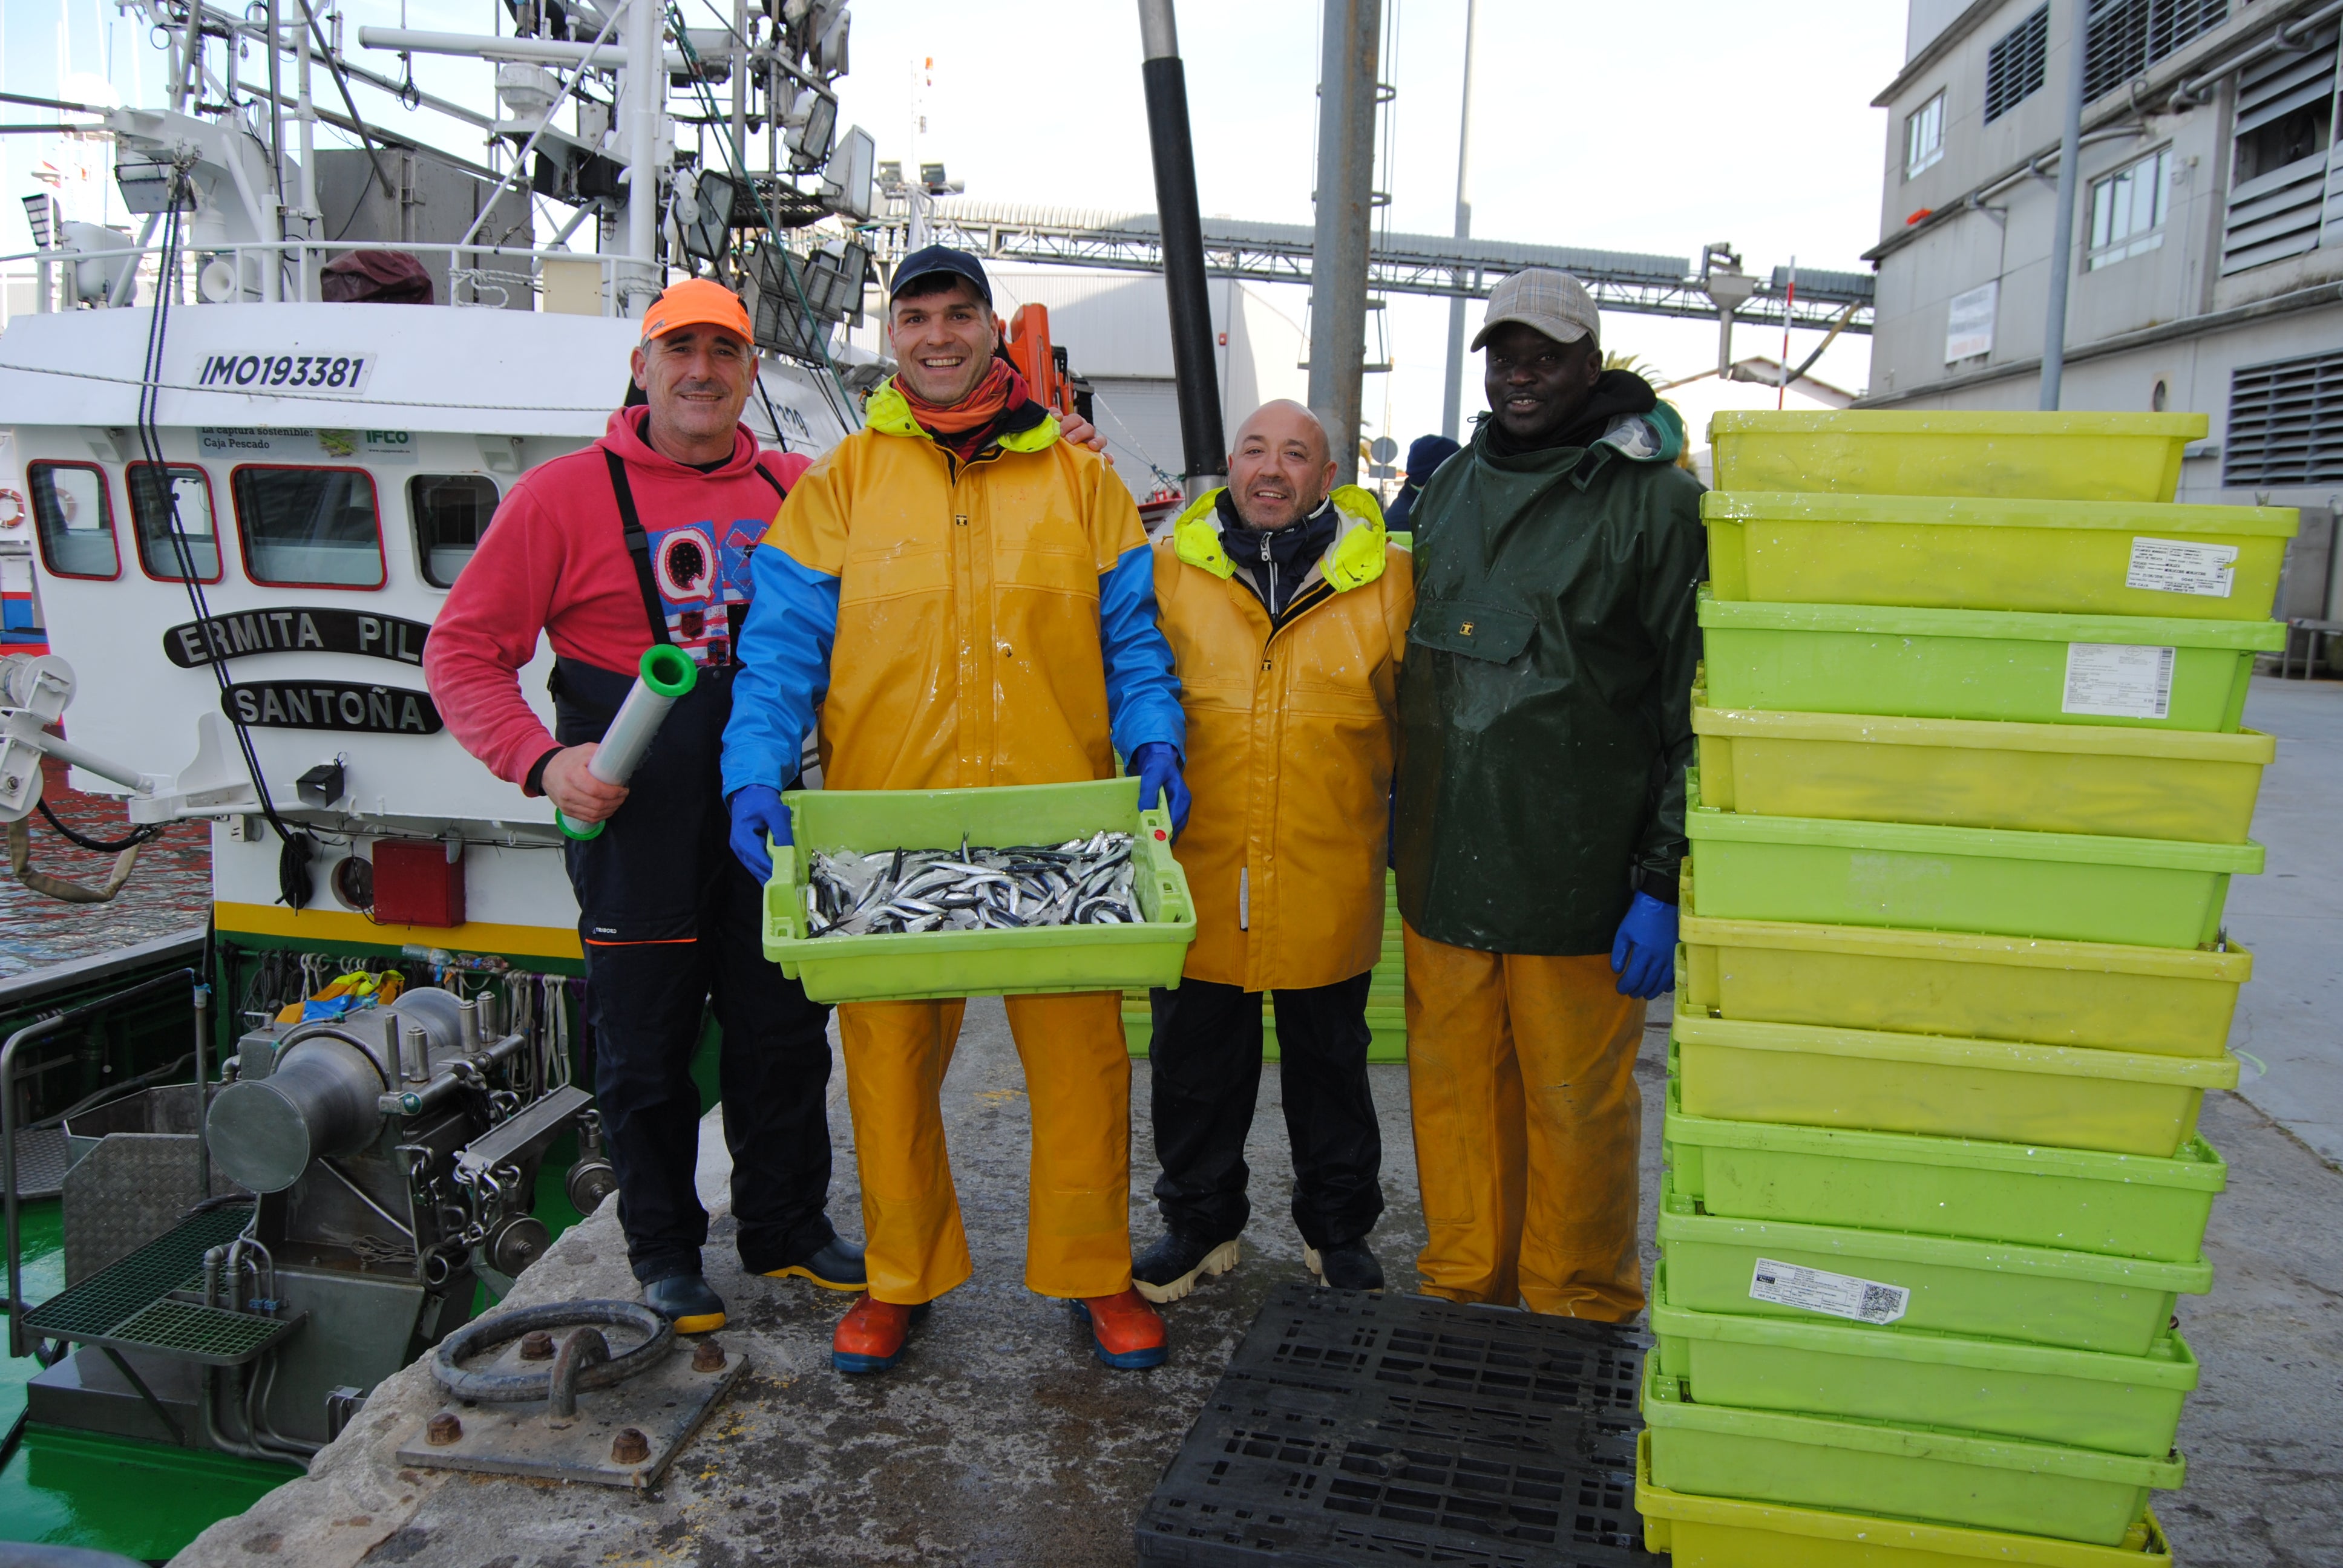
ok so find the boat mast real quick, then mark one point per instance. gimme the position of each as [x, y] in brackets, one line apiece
[642, 98]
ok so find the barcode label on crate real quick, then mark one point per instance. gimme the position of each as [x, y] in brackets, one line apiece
[1839, 1295]
[2175, 565]
[2119, 681]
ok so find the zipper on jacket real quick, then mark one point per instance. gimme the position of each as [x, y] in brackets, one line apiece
[1269, 561]
[1244, 897]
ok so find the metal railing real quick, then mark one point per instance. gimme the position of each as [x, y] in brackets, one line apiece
[488, 276]
[200, 996]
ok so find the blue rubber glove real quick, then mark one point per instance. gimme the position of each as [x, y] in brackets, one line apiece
[1644, 956]
[1158, 774]
[756, 811]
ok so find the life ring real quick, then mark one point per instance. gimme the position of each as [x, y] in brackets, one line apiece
[13, 498]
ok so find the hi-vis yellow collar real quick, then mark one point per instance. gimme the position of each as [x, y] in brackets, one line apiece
[889, 414]
[1355, 559]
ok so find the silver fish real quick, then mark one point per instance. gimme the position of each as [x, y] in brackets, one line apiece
[886, 892]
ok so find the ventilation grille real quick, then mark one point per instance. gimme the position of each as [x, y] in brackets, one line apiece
[2286, 424]
[2277, 212]
[2127, 36]
[2013, 68]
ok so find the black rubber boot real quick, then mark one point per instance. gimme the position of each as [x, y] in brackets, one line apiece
[837, 1267]
[1346, 1266]
[688, 1301]
[1168, 1269]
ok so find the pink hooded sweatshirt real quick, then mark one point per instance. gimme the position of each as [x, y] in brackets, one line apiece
[555, 559]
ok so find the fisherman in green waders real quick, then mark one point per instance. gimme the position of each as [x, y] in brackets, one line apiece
[1545, 726]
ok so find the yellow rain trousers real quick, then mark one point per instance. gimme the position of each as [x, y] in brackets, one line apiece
[1078, 1199]
[1521, 1071]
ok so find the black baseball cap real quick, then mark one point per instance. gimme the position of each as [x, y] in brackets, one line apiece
[937, 258]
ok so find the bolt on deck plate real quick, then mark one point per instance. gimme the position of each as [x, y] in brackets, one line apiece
[665, 1403]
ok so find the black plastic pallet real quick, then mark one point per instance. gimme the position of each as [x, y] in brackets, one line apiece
[1361, 1430]
[1428, 1368]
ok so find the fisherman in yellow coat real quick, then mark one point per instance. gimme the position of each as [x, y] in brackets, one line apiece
[968, 601]
[1287, 613]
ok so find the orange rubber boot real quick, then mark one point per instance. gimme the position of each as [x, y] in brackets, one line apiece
[870, 1336]
[1127, 1332]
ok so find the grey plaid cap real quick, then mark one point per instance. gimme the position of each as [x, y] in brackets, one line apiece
[1555, 303]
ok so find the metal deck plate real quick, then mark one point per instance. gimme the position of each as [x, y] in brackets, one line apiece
[192, 1331]
[122, 1291]
[42, 1158]
[666, 1404]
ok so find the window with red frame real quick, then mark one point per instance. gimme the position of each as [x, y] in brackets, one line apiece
[151, 501]
[308, 527]
[73, 514]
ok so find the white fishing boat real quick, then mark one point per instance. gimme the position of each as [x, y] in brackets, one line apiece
[249, 448]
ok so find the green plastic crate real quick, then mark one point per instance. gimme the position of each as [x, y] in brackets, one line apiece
[1386, 1001]
[1901, 1471]
[2126, 783]
[1981, 664]
[930, 965]
[1940, 1086]
[2079, 1199]
[1726, 1533]
[2082, 456]
[1997, 881]
[2060, 558]
[2166, 1002]
[2036, 1296]
[2080, 1399]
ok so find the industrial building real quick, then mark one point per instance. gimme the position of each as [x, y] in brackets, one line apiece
[2207, 242]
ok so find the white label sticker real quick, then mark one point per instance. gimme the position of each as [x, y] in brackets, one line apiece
[2119, 681]
[2175, 565]
[1838, 1295]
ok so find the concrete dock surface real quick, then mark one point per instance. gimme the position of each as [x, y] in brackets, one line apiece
[1000, 1440]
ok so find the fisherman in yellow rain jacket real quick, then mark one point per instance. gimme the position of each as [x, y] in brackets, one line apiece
[968, 600]
[1287, 613]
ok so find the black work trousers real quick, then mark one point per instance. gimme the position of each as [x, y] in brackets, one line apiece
[671, 924]
[1205, 1064]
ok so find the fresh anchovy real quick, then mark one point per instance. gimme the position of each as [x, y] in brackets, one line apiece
[887, 892]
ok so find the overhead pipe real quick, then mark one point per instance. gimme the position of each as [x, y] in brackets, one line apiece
[2289, 36]
[1194, 364]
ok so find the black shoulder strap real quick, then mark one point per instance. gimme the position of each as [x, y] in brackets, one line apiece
[767, 475]
[639, 546]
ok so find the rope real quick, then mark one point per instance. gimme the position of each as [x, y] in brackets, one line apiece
[20, 862]
[159, 385]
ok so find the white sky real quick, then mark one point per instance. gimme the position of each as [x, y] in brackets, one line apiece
[1651, 127]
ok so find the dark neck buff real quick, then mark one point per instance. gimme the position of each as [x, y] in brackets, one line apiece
[1000, 406]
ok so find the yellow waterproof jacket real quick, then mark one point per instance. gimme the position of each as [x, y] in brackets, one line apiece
[1290, 741]
[959, 624]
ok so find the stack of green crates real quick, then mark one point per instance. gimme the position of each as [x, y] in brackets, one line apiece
[1386, 1000]
[1971, 787]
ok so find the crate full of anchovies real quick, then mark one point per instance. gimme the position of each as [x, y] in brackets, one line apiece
[900, 895]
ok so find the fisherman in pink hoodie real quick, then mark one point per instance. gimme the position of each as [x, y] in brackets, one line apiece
[644, 536]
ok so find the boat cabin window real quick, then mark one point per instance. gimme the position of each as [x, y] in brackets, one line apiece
[451, 513]
[74, 516]
[150, 515]
[308, 527]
